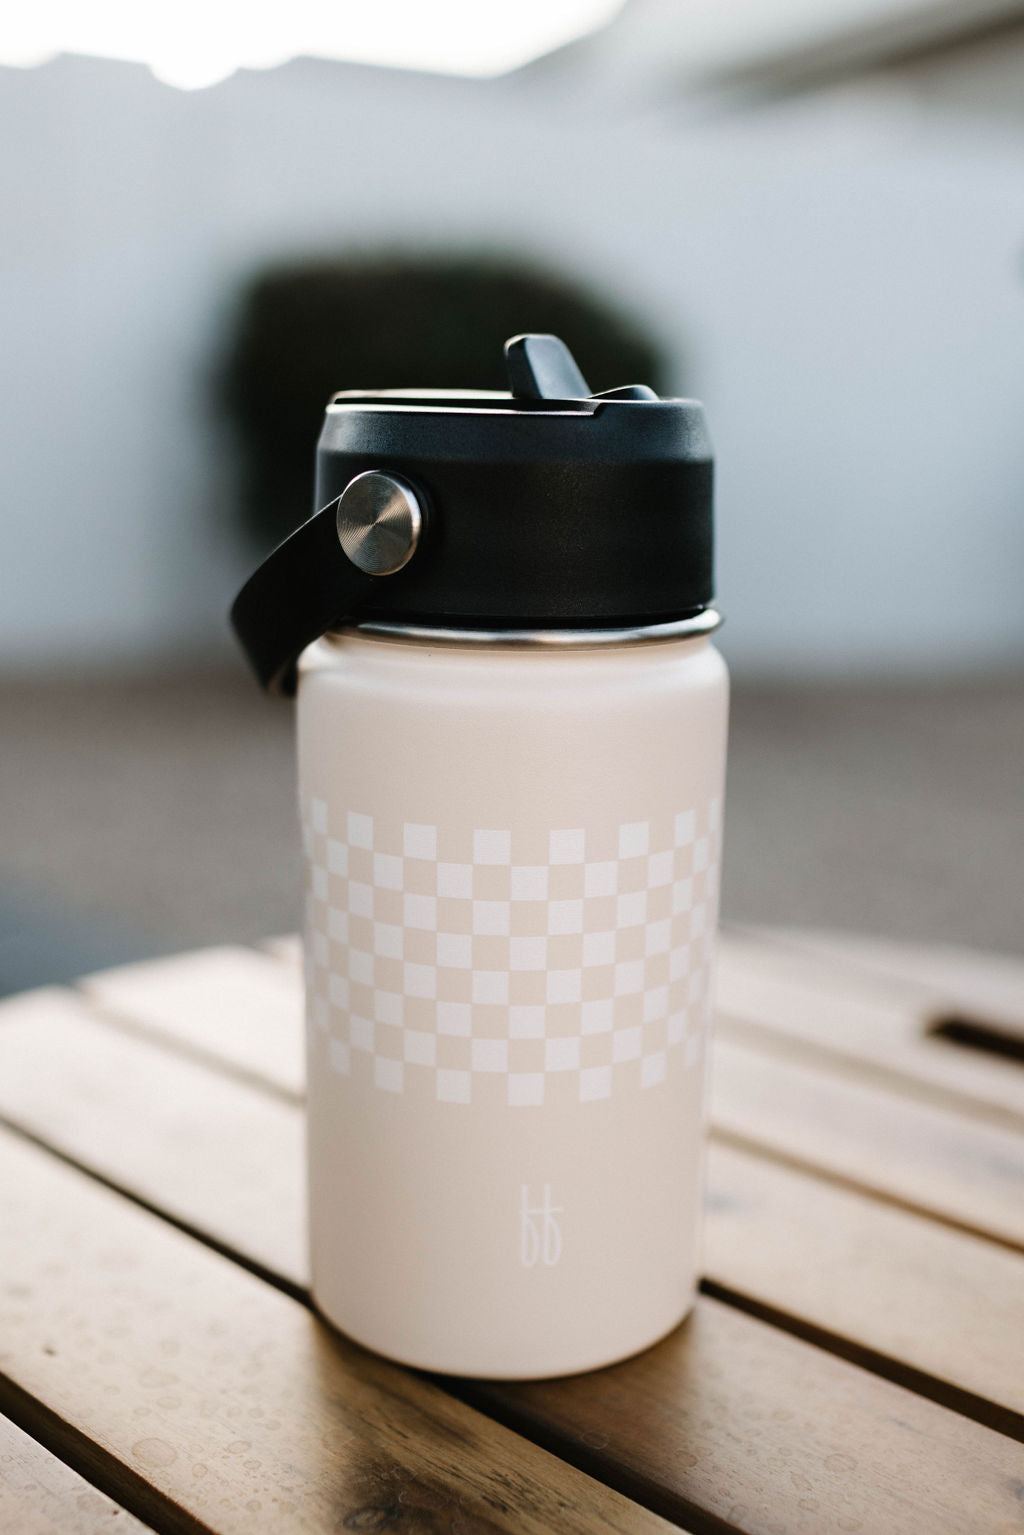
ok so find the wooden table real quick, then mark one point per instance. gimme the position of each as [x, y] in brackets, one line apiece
[854, 1363]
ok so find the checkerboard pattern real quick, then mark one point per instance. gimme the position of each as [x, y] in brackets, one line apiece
[474, 963]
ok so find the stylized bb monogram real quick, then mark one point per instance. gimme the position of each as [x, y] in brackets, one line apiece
[540, 1237]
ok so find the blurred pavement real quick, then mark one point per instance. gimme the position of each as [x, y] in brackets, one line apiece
[156, 814]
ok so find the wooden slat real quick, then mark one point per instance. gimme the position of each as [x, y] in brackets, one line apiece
[831, 1233]
[211, 1151]
[744, 1371]
[771, 1435]
[226, 1160]
[989, 987]
[960, 1169]
[817, 1009]
[869, 1131]
[40, 1495]
[235, 1007]
[215, 1401]
[821, 999]
[881, 1279]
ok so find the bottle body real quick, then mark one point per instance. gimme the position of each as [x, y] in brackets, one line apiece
[512, 893]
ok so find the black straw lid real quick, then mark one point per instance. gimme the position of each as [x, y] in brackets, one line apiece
[543, 508]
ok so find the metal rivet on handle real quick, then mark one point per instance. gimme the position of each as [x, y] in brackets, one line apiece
[379, 522]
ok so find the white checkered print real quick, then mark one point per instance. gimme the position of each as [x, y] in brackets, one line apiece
[470, 965]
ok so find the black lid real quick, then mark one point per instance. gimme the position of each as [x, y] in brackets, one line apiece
[546, 507]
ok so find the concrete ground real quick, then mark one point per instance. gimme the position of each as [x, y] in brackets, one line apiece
[151, 815]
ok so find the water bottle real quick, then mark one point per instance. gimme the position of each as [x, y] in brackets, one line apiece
[511, 746]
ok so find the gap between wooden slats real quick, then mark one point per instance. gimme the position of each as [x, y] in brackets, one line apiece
[203, 1396]
[909, 1152]
[905, 1141]
[966, 1172]
[809, 1007]
[212, 1153]
[897, 1291]
[990, 986]
[40, 1495]
[240, 1009]
[236, 1008]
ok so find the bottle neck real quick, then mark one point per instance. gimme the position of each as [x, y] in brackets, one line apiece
[698, 626]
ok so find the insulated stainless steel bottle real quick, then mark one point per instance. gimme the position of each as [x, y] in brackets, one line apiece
[512, 731]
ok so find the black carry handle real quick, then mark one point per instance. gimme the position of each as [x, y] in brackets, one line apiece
[306, 587]
[522, 522]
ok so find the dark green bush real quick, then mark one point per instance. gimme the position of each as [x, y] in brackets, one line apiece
[307, 330]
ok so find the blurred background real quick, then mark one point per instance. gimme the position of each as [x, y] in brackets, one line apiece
[810, 217]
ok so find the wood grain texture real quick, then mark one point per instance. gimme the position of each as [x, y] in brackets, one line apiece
[237, 1008]
[734, 1382]
[833, 1000]
[962, 1170]
[987, 986]
[211, 1401]
[814, 1008]
[40, 1495]
[226, 1160]
[212, 1152]
[770, 1435]
[884, 1280]
[824, 1256]
[875, 1129]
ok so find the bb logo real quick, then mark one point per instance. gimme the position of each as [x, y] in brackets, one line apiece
[540, 1237]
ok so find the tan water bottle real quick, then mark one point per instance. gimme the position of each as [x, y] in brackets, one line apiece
[512, 730]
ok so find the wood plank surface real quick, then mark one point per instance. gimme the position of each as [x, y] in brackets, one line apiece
[771, 1435]
[236, 1007]
[988, 986]
[850, 1011]
[747, 1375]
[871, 1129]
[886, 1281]
[962, 1170]
[211, 1401]
[818, 1009]
[226, 1160]
[40, 1495]
[210, 1151]
[786, 1241]
[856, 1128]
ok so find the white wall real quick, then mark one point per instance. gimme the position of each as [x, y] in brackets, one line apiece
[843, 276]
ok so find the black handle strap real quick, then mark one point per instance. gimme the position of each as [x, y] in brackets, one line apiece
[309, 584]
[306, 587]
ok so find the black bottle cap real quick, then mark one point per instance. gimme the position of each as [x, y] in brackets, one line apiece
[546, 507]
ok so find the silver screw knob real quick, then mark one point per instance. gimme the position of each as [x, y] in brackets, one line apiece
[379, 522]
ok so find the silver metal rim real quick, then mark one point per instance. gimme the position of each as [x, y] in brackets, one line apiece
[645, 634]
